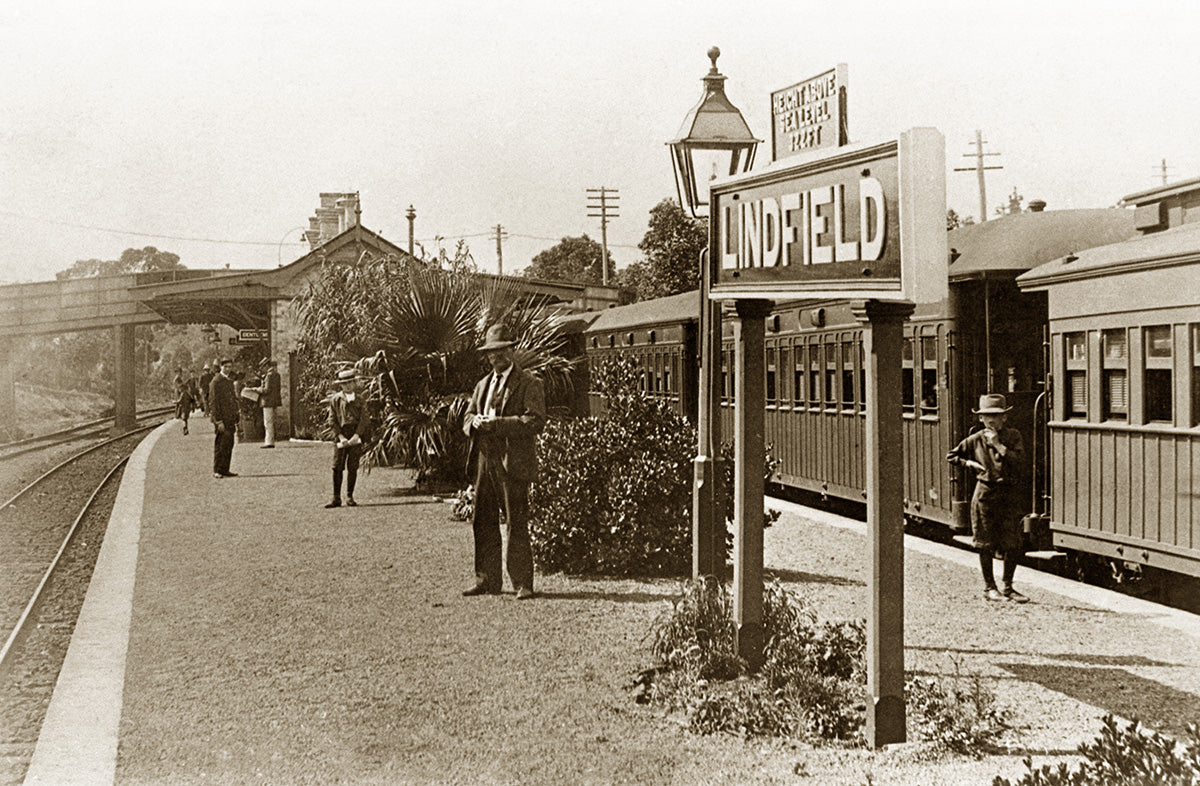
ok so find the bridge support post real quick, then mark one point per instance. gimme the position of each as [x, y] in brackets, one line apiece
[124, 392]
[8, 393]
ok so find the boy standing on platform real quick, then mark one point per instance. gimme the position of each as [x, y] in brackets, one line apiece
[349, 423]
[996, 454]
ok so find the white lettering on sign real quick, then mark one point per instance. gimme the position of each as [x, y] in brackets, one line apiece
[801, 112]
[804, 228]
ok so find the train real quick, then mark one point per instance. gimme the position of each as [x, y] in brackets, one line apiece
[1087, 320]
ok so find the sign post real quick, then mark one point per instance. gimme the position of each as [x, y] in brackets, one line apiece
[863, 223]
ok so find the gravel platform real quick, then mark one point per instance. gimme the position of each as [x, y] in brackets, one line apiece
[273, 641]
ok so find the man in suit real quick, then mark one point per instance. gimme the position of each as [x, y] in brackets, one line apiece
[269, 398]
[349, 426]
[206, 378]
[506, 412]
[223, 411]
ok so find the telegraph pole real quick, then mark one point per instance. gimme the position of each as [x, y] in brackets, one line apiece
[1163, 170]
[979, 169]
[500, 235]
[605, 201]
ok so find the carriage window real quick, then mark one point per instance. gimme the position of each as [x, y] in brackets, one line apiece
[725, 378]
[772, 378]
[1076, 377]
[831, 381]
[785, 371]
[1115, 375]
[799, 375]
[730, 364]
[1157, 382]
[929, 375]
[906, 376]
[862, 376]
[814, 375]
[848, 354]
[1195, 331]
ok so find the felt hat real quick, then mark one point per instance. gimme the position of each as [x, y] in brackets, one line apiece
[992, 404]
[498, 337]
[346, 375]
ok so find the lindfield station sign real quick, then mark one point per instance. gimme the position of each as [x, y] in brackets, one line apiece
[867, 222]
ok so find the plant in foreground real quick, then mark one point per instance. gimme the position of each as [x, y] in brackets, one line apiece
[1123, 757]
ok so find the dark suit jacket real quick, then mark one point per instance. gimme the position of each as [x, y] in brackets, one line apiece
[222, 402]
[512, 436]
[270, 391]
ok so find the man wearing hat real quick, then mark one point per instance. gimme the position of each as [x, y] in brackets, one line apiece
[506, 412]
[224, 412]
[206, 377]
[348, 424]
[996, 453]
[269, 399]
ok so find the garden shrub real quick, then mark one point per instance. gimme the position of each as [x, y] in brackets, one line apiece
[812, 683]
[614, 494]
[1122, 757]
[959, 714]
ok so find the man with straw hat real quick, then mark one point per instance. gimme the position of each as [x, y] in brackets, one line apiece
[506, 412]
[348, 424]
[996, 454]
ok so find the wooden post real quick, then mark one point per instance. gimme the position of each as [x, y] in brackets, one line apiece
[882, 344]
[8, 394]
[749, 419]
[124, 392]
[708, 499]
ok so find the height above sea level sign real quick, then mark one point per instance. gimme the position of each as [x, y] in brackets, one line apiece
[809, 115]
[865, 222]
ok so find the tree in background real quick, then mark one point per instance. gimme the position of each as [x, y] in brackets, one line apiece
[575, 259]
[672, 246]
[954, 221]
[133, 260]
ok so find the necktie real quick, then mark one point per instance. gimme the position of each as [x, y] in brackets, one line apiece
[493, 395]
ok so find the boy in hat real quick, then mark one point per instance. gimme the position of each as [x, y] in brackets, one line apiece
[996, 454]
[348, 421]
[507, 410]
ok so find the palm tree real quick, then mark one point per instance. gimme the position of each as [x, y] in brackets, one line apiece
[415, 341]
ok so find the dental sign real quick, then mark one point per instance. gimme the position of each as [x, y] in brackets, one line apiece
[862, 222]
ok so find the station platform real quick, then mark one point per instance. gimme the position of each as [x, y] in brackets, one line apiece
[236, 631]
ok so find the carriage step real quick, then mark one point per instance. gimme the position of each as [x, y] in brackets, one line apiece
[1051, 554]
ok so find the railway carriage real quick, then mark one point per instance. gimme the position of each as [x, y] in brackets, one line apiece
[1124, 423]
[987, 335]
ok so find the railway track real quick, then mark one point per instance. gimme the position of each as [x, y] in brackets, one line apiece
[83, 431]
[50, 536]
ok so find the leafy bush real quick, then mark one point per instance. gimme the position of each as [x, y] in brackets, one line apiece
[960, 715]
[464, 505]
[810, 683]
[614, 494]
[1123, 757]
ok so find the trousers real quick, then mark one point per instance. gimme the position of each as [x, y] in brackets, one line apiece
[223, 448]
[494, 491]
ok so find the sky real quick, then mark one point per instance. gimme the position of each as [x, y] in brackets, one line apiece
[209, 129]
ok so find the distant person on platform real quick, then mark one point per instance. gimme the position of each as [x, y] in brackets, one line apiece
[996, 453]
[269, 399]
[349, 426]
[223, 411]
[183, 397]
[206, 377]
[507, 410]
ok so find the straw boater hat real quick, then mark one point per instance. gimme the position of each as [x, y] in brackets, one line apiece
[992, 404]
[346, 375]
[498, 337]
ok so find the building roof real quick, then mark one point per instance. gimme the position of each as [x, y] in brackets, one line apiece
[1175, 246]
[1160, 192]
[1019, 242]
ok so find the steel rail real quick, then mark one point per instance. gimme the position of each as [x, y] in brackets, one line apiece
[80, 454]
[22, 446]
[35, 601]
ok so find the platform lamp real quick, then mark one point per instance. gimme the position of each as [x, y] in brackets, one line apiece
[714, 141]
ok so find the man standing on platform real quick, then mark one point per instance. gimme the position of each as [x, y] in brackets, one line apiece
[206, 378]
[223, 411]
[269, 399]
[507, 410]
